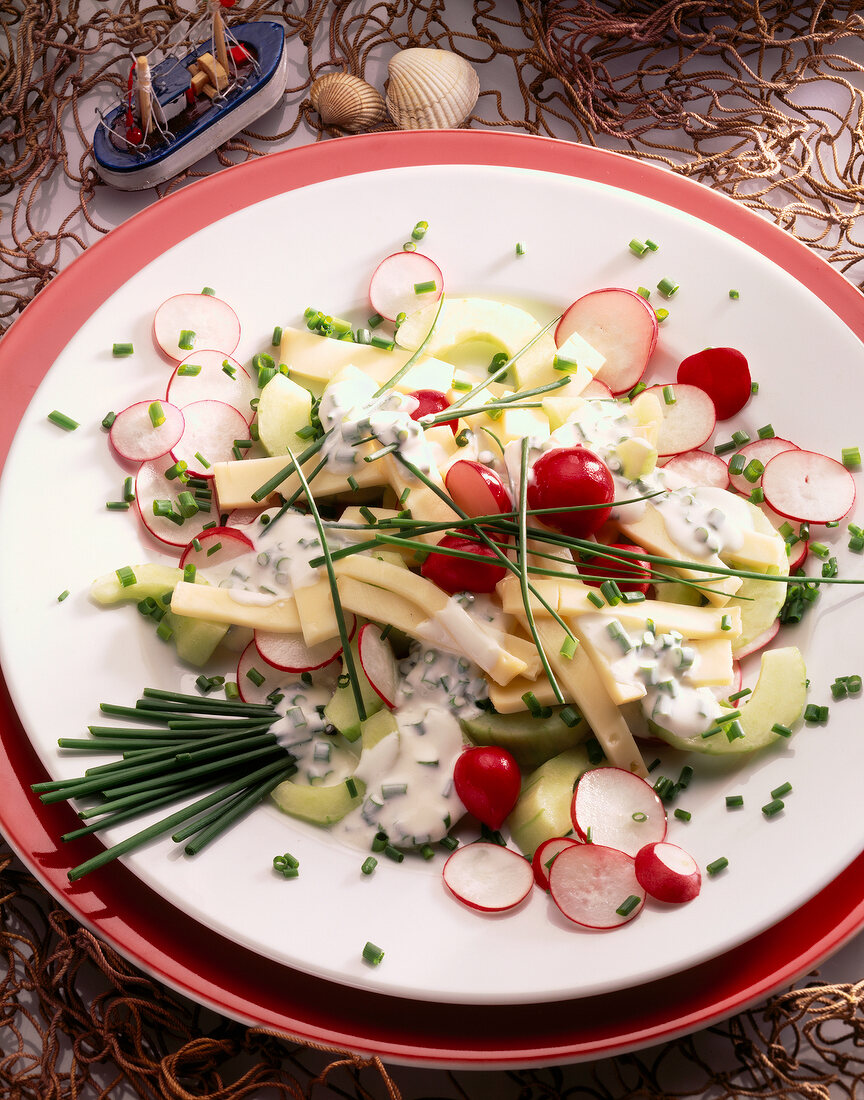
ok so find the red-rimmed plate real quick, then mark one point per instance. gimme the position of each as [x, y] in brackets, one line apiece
[115, 261]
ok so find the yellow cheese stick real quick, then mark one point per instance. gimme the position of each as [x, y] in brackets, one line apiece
[237, 481]
[508, 700]
[219, 605]
[315, 610]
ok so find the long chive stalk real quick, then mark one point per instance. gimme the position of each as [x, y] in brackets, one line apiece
[400, 374]
[231, 813]
[502, 370]
[522, 553]
[159, 828]
[347, 654]
[264, 491]
[154, 780]
[134, 811]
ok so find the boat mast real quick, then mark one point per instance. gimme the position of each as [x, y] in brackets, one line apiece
[142, 72]
[219, 34]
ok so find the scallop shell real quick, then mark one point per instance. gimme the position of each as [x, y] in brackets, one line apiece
[430, 89]
[347, 102]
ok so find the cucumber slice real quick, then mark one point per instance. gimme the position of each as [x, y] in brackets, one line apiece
[377, 727]
[196, 640]
[779, 697]
[532, 741]
[543, 809]
[341, 711]
[320, 805]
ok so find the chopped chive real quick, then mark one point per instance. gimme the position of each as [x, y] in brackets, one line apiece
[661, 315]
[393, 853]
[684, 778]
[781, 730]
[766, 432]
[734, 800]
[668, 287]
[187, 339]
[754, 388]
[637, 389]
[566, 365]
[63, 421]
[682, 815]
[121, 351]
[208, 290]
[156, 413]
[126, 576]
[740, 437]
[381, 342]
[652, 245]
[638, 248]
[276, 339]
[724, 448]
[63, 595]
[839, 690]
[569, 716]
[202, 460]
[568, 647]
[853, 684]
[717, 865]
[639, 816]
[108, 420]
[628, 905]
[611, 593]
[409, 246]
[734, 295]
[669, 395]
[368, 865]
[739, 695]
[851, 456]
[783, 789]
[643, 292]
[425, 288]
[419, 231]
[372, 954]
[189, 370]
[773, 807]
[754, 470]
[255, 676]
[813, 713]
[757, 495]
[117, 505]
[229, 369]
[520, 248]
[351, 786]
[375, 320]
[450, 843]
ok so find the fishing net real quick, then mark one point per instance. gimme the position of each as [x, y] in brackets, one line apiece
[761, 100]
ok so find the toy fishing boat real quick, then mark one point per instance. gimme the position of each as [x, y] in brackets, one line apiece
[190, 100]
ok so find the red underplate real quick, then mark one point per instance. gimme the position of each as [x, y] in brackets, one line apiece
[203, 965]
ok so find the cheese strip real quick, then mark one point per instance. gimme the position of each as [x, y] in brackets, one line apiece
[218, 605]
[577, 678]
[508, 699]
[237, 481]
[315, 610]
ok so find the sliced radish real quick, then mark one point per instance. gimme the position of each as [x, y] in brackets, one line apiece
[212, 323]
[216, 546]
[290, 653]
[251, 669]
[213, 382]
[211, 429]
[151, 484]
[668, 873]
[134, 436]
[759, 642]
[621, 326]
[488, 782]
[545, 856]
[596, 390]
[378, 663]
[688, 420]
[621, 810]
[431, 402]
[476, 489]
[798, 553]
[808, 487]
[723, 374]
[590, 882]
[700, 468]
[392, 289]
[488, 877]
[763, 450]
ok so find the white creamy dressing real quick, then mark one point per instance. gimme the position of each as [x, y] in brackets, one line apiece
[661, 664]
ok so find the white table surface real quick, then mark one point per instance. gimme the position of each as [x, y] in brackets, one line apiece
[110, 208]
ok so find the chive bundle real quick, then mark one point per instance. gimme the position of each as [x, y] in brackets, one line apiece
[220, 749]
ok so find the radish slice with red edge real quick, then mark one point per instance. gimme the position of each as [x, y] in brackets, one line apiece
[211, 322]
[621, 810]
[476, 489]
[378, 663]
[255, 678]
[621, 326]
[487, 780]
[545, 856]
[151, 484]
[688, 419]
[488, 877]
[431, 402]
[211, 429]
[392, 289]
[723, 373]
[134, 435]
[668, 873]
[290, 653]
[797, 553]
[763, 450]
[219, 378]
[759, 642]
[700, 468]
[590, 882]
[808, 487]
[216, 546]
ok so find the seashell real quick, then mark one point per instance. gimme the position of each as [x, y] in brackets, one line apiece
[346, 101]
[430, 89]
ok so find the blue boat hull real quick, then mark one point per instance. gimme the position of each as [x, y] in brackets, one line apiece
[130, 168]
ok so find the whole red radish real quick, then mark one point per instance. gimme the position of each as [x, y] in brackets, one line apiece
[488, 782]
[667, 872]
[463, 574]
[431, 403]
[575, 478]
[476, 489]
[723, 373]
[598, 568]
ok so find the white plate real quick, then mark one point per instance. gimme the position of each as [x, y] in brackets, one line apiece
[317, 246]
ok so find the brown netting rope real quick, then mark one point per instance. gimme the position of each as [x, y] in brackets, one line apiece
[721, 90]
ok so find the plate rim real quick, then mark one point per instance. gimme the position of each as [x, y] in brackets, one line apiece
[89, 279]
